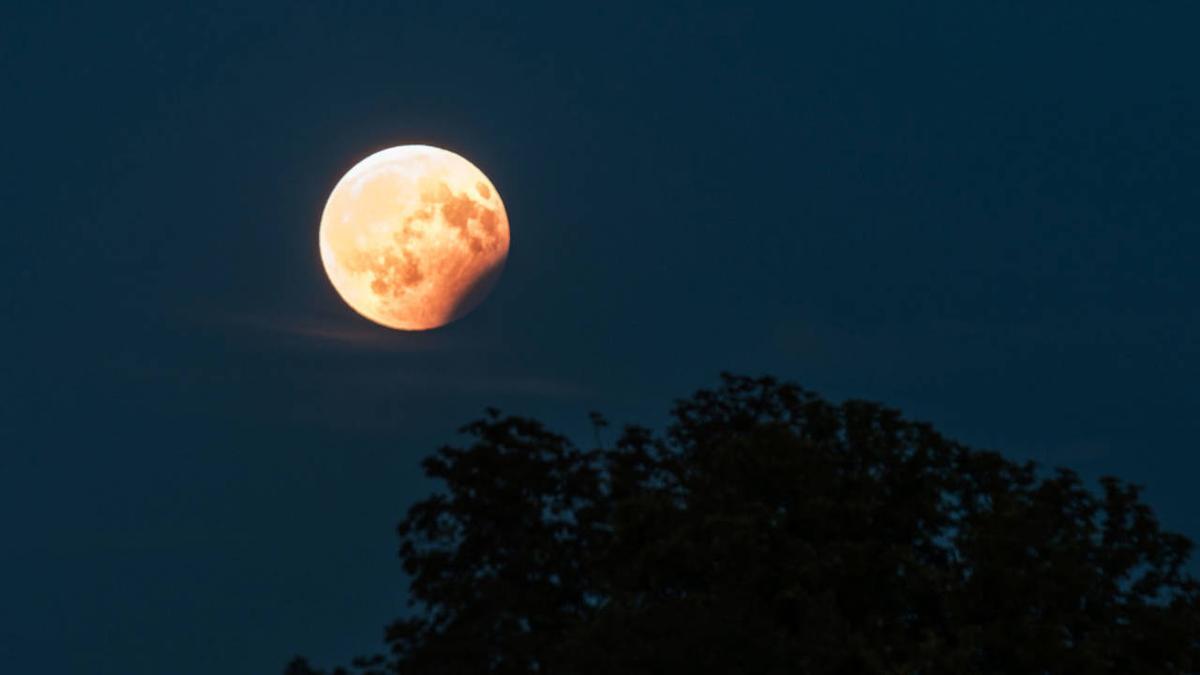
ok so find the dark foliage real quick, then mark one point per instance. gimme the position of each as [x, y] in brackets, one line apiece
[769, 531]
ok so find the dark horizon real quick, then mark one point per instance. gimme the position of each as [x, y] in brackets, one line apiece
[980, 214]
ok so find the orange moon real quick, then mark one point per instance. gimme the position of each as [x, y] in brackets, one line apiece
[414, 237]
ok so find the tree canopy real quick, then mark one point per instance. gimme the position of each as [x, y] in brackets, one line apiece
[767, 530]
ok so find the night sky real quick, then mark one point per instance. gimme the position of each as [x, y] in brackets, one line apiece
[982, 213]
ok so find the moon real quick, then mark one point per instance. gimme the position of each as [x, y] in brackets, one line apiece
[414, 237]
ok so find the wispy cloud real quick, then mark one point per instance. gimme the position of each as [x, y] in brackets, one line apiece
[325, 330]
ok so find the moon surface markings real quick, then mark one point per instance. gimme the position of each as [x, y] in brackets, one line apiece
[459, 210]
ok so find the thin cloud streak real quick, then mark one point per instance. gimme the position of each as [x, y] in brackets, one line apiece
[322, 331]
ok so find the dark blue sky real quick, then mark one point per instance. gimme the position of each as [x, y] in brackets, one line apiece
[983, 213]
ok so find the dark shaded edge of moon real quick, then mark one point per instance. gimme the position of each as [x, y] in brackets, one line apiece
[478, 290]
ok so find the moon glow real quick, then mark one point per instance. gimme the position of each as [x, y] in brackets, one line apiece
[414, 237]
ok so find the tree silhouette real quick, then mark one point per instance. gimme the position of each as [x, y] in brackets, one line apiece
[769, 531]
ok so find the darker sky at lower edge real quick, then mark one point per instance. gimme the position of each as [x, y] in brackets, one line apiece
[983, 213]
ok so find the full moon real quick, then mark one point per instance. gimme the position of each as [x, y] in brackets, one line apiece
[414, 237]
